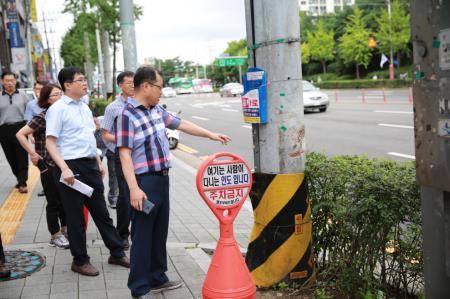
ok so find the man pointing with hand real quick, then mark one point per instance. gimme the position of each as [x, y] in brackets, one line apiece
[145, 156]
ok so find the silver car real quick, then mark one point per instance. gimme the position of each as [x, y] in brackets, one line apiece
[313, 98]
[231, 90]
[168, 92]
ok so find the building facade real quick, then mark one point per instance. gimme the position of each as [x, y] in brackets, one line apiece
[21, 49]
[321, 7]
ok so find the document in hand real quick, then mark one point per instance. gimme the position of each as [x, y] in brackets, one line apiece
[79, 186]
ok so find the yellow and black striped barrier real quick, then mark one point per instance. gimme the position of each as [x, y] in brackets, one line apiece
[280, 243]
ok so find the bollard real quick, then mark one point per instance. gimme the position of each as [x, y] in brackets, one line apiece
[224, 181]
[336, 96]
[384, 96]
[363, 96]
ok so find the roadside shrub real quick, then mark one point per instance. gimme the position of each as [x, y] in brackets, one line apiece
[98, 106]
[384, 74]
[366, 83]
[366, 226]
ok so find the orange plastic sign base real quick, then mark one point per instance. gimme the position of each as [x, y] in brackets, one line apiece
[224, 181]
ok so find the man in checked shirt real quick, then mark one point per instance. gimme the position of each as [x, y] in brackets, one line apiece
[112, 111]
[145, 156]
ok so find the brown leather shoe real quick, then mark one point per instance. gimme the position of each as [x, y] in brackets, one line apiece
[4, 271]
[23, 189]
[85, 269]
[121, 261]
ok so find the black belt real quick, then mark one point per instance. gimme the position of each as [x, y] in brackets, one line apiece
[15, 124]
[87, 159]
[164, 172]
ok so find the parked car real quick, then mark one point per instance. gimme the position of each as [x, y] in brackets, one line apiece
[313, 98]
[231, 90]
[168, 92]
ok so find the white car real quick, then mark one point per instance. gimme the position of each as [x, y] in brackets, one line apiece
[231, 90]
[313, 98]
[168, 92]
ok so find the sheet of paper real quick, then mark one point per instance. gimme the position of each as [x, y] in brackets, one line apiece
[79, 186]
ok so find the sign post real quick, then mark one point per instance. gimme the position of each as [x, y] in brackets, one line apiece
[224, 181]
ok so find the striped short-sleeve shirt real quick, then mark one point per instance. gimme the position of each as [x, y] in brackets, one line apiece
[144, 131]
[108, 123]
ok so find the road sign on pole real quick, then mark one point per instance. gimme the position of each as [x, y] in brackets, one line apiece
[231, 61]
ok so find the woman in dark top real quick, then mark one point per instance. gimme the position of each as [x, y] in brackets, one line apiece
[39, 156]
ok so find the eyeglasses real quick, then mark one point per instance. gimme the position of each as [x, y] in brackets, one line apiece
[156, 85]
[84, 80]
[55, 95]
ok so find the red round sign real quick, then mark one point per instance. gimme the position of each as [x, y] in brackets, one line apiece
[224, 181]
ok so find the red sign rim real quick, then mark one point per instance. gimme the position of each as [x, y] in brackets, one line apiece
[201, 190]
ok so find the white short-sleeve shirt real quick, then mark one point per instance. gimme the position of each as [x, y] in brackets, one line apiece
[72, 123]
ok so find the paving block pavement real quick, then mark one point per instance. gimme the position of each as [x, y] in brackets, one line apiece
[192, 226]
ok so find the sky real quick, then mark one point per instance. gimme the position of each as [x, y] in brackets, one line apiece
[196, 30]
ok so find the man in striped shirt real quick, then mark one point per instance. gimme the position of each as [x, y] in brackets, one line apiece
[145, 157]
[112, 111]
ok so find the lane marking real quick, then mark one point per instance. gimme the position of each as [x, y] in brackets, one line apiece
[186, 149]
[200, 118]
[14, 207]
[225, 106]
[230, 110]
[401, 155]
[393, 112]
[247, 126]
[217, 103]
[396, 126]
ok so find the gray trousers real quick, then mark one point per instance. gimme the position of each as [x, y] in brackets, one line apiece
[112, 178]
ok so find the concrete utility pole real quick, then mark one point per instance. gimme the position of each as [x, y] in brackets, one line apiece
[126, 8]
[101, 71]
[430, 25]
[280, 243]
[107, 61]
[87, 54]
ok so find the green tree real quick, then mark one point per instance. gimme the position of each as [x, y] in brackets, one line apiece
[354, 47]
[306, 53]
[306, 25]
[321, 45]
[107, 15]
[396, 32]
[72, 49]
[237, 48]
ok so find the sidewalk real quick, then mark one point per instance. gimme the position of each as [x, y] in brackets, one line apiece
[192, 227]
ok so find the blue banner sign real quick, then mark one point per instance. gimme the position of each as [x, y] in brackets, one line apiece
[14, 35]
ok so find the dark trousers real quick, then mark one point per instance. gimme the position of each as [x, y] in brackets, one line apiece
[148, 256]
[112, 178]
[15, 154]
[2, 253]
[54, 209]
[86, 170]
[123, 205]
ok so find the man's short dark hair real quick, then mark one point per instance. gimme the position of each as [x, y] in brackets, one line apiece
[67, 74]
[145, 74]
[40, 82]
[8, 73]
[122, 76]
